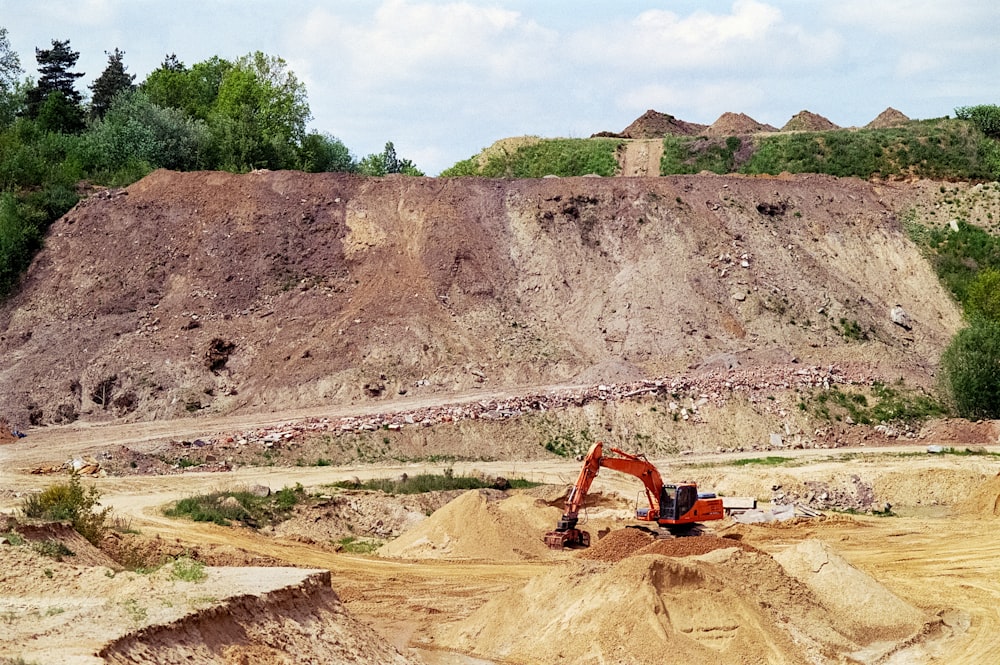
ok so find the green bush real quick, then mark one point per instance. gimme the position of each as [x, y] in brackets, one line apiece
[560, 157]
[244, 507]
[970, 370]
[983, 295]
[425, 482]
[986, 118]
[70, 502]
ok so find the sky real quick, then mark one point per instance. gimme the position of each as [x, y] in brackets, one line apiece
[443, 79]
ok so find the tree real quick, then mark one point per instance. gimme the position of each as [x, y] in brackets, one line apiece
[112, 81]
[10, 73]
[136, 132]
[970, 370]
[54, 65]
[320, 153]
[193, 90]
[387, 162]
[260, 114]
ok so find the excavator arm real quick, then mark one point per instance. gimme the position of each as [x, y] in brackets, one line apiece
[566, 533]
[684, 506]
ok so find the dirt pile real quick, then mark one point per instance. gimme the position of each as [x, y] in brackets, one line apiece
[888, 118]
[655, 125]
[869, 611]
[59, 611]
[474, 527]
[807, 121]
[213, 293]
[617, 545]
[734, 124]
[984, 501]
[728, 606]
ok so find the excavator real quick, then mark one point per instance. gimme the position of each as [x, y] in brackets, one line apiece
[676, 507]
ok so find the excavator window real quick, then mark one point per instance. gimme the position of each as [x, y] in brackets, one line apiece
[686, 497]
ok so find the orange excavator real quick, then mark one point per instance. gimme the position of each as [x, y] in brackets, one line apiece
[676, 507]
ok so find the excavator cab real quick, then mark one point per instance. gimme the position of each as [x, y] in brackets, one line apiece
[676, 501]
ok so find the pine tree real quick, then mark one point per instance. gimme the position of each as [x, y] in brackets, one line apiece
[54, 65]
[111, 81]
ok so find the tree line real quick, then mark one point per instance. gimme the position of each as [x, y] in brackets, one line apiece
[232, 115]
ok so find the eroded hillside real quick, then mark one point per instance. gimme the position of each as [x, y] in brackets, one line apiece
[212, 292]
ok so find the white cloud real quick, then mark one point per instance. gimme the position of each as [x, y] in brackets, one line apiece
[753, 35]
[408, 41]
[916, 63]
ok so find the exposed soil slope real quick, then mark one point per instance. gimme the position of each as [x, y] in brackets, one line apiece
[212, 292]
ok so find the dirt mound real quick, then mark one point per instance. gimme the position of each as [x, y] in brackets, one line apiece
[79, 550]
[655, 125]
[806, 121]
[301, 623]
[59, 611]
[739, 607]
[734, 124]
[617, 545]
[693, 546]
[871, 611]
[984, 501]
[138, 551]
[331, 289]
[474, 527]
[888, 118]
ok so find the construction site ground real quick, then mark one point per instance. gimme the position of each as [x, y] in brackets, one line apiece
[937, 559]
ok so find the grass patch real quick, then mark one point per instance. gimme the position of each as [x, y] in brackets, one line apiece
[188, 570]
[561, 157]
[426, 482]
[225, 507]
[52, 549]
[13, 538]
[770, 460]
[353, 545]
[884, 404]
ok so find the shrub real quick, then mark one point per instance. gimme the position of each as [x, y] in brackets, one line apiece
[70, 502]
[986, 118]
[970, 370]
[225, 507]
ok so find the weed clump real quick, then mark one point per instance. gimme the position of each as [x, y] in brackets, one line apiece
[70, 502]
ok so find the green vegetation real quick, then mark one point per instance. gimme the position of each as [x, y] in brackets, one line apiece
[13, 538]
[188, 570]
[884, 404]
[225, 507]
[564, 441]
[560, 157]
[770, 460]
[237, 115]
[70, 502]
[683, 154]
[353, 545]
[52, 548]
[426, 482]
[970, 369]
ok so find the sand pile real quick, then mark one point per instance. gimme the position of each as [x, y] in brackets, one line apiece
[472, 527]
[984, 500]
[728, 606]
[869, 611]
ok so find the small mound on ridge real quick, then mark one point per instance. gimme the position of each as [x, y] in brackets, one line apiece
[807, 121]
[731, 124]
[888, 118]
[655, 125]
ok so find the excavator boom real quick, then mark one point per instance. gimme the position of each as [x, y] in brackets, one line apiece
[677, 507]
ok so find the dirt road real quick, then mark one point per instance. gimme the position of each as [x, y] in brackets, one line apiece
[642, 157]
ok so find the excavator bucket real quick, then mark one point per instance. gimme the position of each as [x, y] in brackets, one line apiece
[557, 540]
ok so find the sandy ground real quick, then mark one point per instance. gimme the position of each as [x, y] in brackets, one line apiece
[940, 558]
